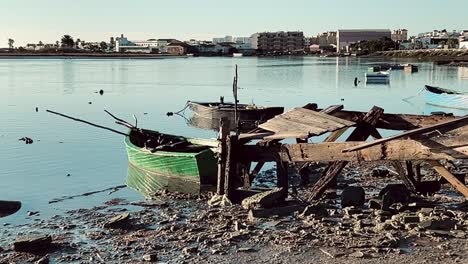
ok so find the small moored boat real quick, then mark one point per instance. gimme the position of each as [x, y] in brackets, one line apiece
[445, 97]
[160, 161]
[245, 112]
[377, 77]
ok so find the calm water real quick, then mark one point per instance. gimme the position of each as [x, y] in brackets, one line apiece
[96, 159]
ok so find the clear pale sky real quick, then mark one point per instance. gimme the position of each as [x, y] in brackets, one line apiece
[29, 21]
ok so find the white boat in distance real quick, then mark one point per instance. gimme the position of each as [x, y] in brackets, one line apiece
[237, 55]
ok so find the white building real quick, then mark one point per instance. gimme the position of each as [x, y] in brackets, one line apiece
[122, 44]
[463, 40]
[223, 40]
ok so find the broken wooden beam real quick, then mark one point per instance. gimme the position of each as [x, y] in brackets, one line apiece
[400, 150]
[360, 133]
[457, 184]
[463, 121]
[396, 121]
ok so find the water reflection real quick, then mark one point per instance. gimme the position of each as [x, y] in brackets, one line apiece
[463, 73]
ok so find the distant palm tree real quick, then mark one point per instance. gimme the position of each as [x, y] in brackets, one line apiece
[67, 41]
[10, 43]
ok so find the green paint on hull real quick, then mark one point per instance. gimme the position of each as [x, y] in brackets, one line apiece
[174, 171]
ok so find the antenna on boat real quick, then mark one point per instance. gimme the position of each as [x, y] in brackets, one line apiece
[234, 91]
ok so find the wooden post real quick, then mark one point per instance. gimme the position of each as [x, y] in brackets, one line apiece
[282, 177]
[407, 179]
[231, 166]
[223, 133]
[461, 187]
[361, 133]
[245, 169]
[418, 173]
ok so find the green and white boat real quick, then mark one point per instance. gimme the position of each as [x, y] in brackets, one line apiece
[176, 164]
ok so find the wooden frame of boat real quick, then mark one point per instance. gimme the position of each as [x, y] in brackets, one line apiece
[189, 170]
[445, 97]
[245, 112]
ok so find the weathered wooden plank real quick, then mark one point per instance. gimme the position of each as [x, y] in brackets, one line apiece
[403, 149]
[462, 188]
[335, 135]
[252, 136]
[396, 121]
[280, 125]
[463, 121]
[318, 116]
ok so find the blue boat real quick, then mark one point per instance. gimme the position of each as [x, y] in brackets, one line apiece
[445, 98]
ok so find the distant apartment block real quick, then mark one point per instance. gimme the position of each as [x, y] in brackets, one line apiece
[280, 42]
[463, 39]
[346, 37]
[326, 38]
[400, 35]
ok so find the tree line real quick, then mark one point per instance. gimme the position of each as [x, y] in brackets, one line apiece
[67, 43]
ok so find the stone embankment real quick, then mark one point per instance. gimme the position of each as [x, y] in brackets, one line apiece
[431, 54]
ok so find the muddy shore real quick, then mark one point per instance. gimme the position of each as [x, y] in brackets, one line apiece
[182, 228]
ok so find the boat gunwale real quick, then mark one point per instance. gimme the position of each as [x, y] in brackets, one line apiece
[430, 88]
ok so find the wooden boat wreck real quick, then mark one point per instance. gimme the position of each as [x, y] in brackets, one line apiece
[160, 161]
[248, 114]
[445, 98]
[234, 113]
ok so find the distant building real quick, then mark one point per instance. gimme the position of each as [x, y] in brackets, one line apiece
[280, 42]
[400, 35]
[122, 44]
[463, 40]
[346, 37]
[326, 38]
[223, 40]
[254, 41]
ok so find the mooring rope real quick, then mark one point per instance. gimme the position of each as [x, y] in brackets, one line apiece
[180, 111]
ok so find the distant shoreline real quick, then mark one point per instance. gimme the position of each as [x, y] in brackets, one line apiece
[66, 55]
[436, 55]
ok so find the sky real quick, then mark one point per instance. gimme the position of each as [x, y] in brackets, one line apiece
[31, 21]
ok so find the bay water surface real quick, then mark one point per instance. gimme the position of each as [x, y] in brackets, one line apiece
[69, 158]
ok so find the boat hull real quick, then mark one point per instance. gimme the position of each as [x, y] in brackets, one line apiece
[174, 171]
[9, 207]
[447, 100]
